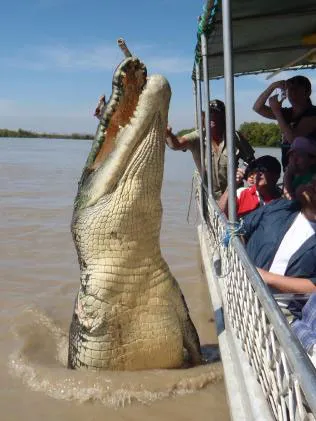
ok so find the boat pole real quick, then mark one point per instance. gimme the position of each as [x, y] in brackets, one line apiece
[196, 124]
[200, 127]
[208, 149]
[230, 109]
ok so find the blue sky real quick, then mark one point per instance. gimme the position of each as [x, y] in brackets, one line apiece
[58, 56]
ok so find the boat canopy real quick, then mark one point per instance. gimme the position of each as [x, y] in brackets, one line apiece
[267, 35]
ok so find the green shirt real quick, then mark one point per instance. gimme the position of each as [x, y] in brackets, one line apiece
[219, 160]
[302, 179]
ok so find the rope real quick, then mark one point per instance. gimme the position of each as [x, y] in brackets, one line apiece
[205, 25]
[193, 182]
[233, 229]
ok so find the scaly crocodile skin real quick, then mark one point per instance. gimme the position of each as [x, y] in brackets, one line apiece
[129, 313]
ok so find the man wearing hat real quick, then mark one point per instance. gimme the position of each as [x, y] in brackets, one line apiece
[191, 141]
[266, 170]
[302, 164]
[297, 120]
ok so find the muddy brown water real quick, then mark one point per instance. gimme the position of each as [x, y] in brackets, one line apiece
[39, 280]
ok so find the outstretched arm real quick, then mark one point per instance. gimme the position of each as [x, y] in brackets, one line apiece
[176, 143]
[287, 283]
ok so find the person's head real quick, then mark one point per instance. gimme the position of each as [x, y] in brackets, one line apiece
[267, 170]
[302, 154]
[298, 89]
[217, 115]
[306, 195]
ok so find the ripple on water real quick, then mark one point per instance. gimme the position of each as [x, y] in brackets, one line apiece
[41, 361]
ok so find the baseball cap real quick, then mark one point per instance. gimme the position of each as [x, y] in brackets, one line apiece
[304, 144]
[300, 81]
[265, 163]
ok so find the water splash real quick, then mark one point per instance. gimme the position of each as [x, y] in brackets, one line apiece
[41, 362]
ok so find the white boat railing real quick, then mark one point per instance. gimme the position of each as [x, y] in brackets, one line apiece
[259, 330]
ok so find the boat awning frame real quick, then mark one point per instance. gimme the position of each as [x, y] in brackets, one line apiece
[267, 36]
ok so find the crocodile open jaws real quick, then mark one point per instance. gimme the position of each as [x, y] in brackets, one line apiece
[129, 313]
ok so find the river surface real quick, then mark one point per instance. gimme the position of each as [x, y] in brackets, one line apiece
[39, 281]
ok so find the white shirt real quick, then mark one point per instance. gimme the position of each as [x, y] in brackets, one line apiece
[300, 231]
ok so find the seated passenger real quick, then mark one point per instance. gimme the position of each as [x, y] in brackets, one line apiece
[219, 156]
[244, 178]
[305, 328]
[302, 165]
[267, 170]
[281, 241]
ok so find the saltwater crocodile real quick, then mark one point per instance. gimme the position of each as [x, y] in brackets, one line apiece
[129, 313]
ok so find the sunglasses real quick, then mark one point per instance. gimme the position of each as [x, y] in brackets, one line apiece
[259, 168]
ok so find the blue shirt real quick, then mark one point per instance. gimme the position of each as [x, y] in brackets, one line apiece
[264, 230]
[305, 328]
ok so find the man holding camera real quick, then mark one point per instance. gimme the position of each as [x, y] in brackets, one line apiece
[294, 121]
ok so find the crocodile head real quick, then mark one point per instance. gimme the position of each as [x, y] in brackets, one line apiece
[129, 312]
[137, 108]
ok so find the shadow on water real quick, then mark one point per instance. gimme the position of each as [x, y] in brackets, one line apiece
[41, 358]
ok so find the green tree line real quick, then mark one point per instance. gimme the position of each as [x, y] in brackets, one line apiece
[258, 134]
[261, 134]
[27, 133]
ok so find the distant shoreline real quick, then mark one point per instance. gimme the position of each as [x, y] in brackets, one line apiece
[29, 134]
[257, 134]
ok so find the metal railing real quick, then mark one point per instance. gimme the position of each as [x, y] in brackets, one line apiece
[280, 364]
